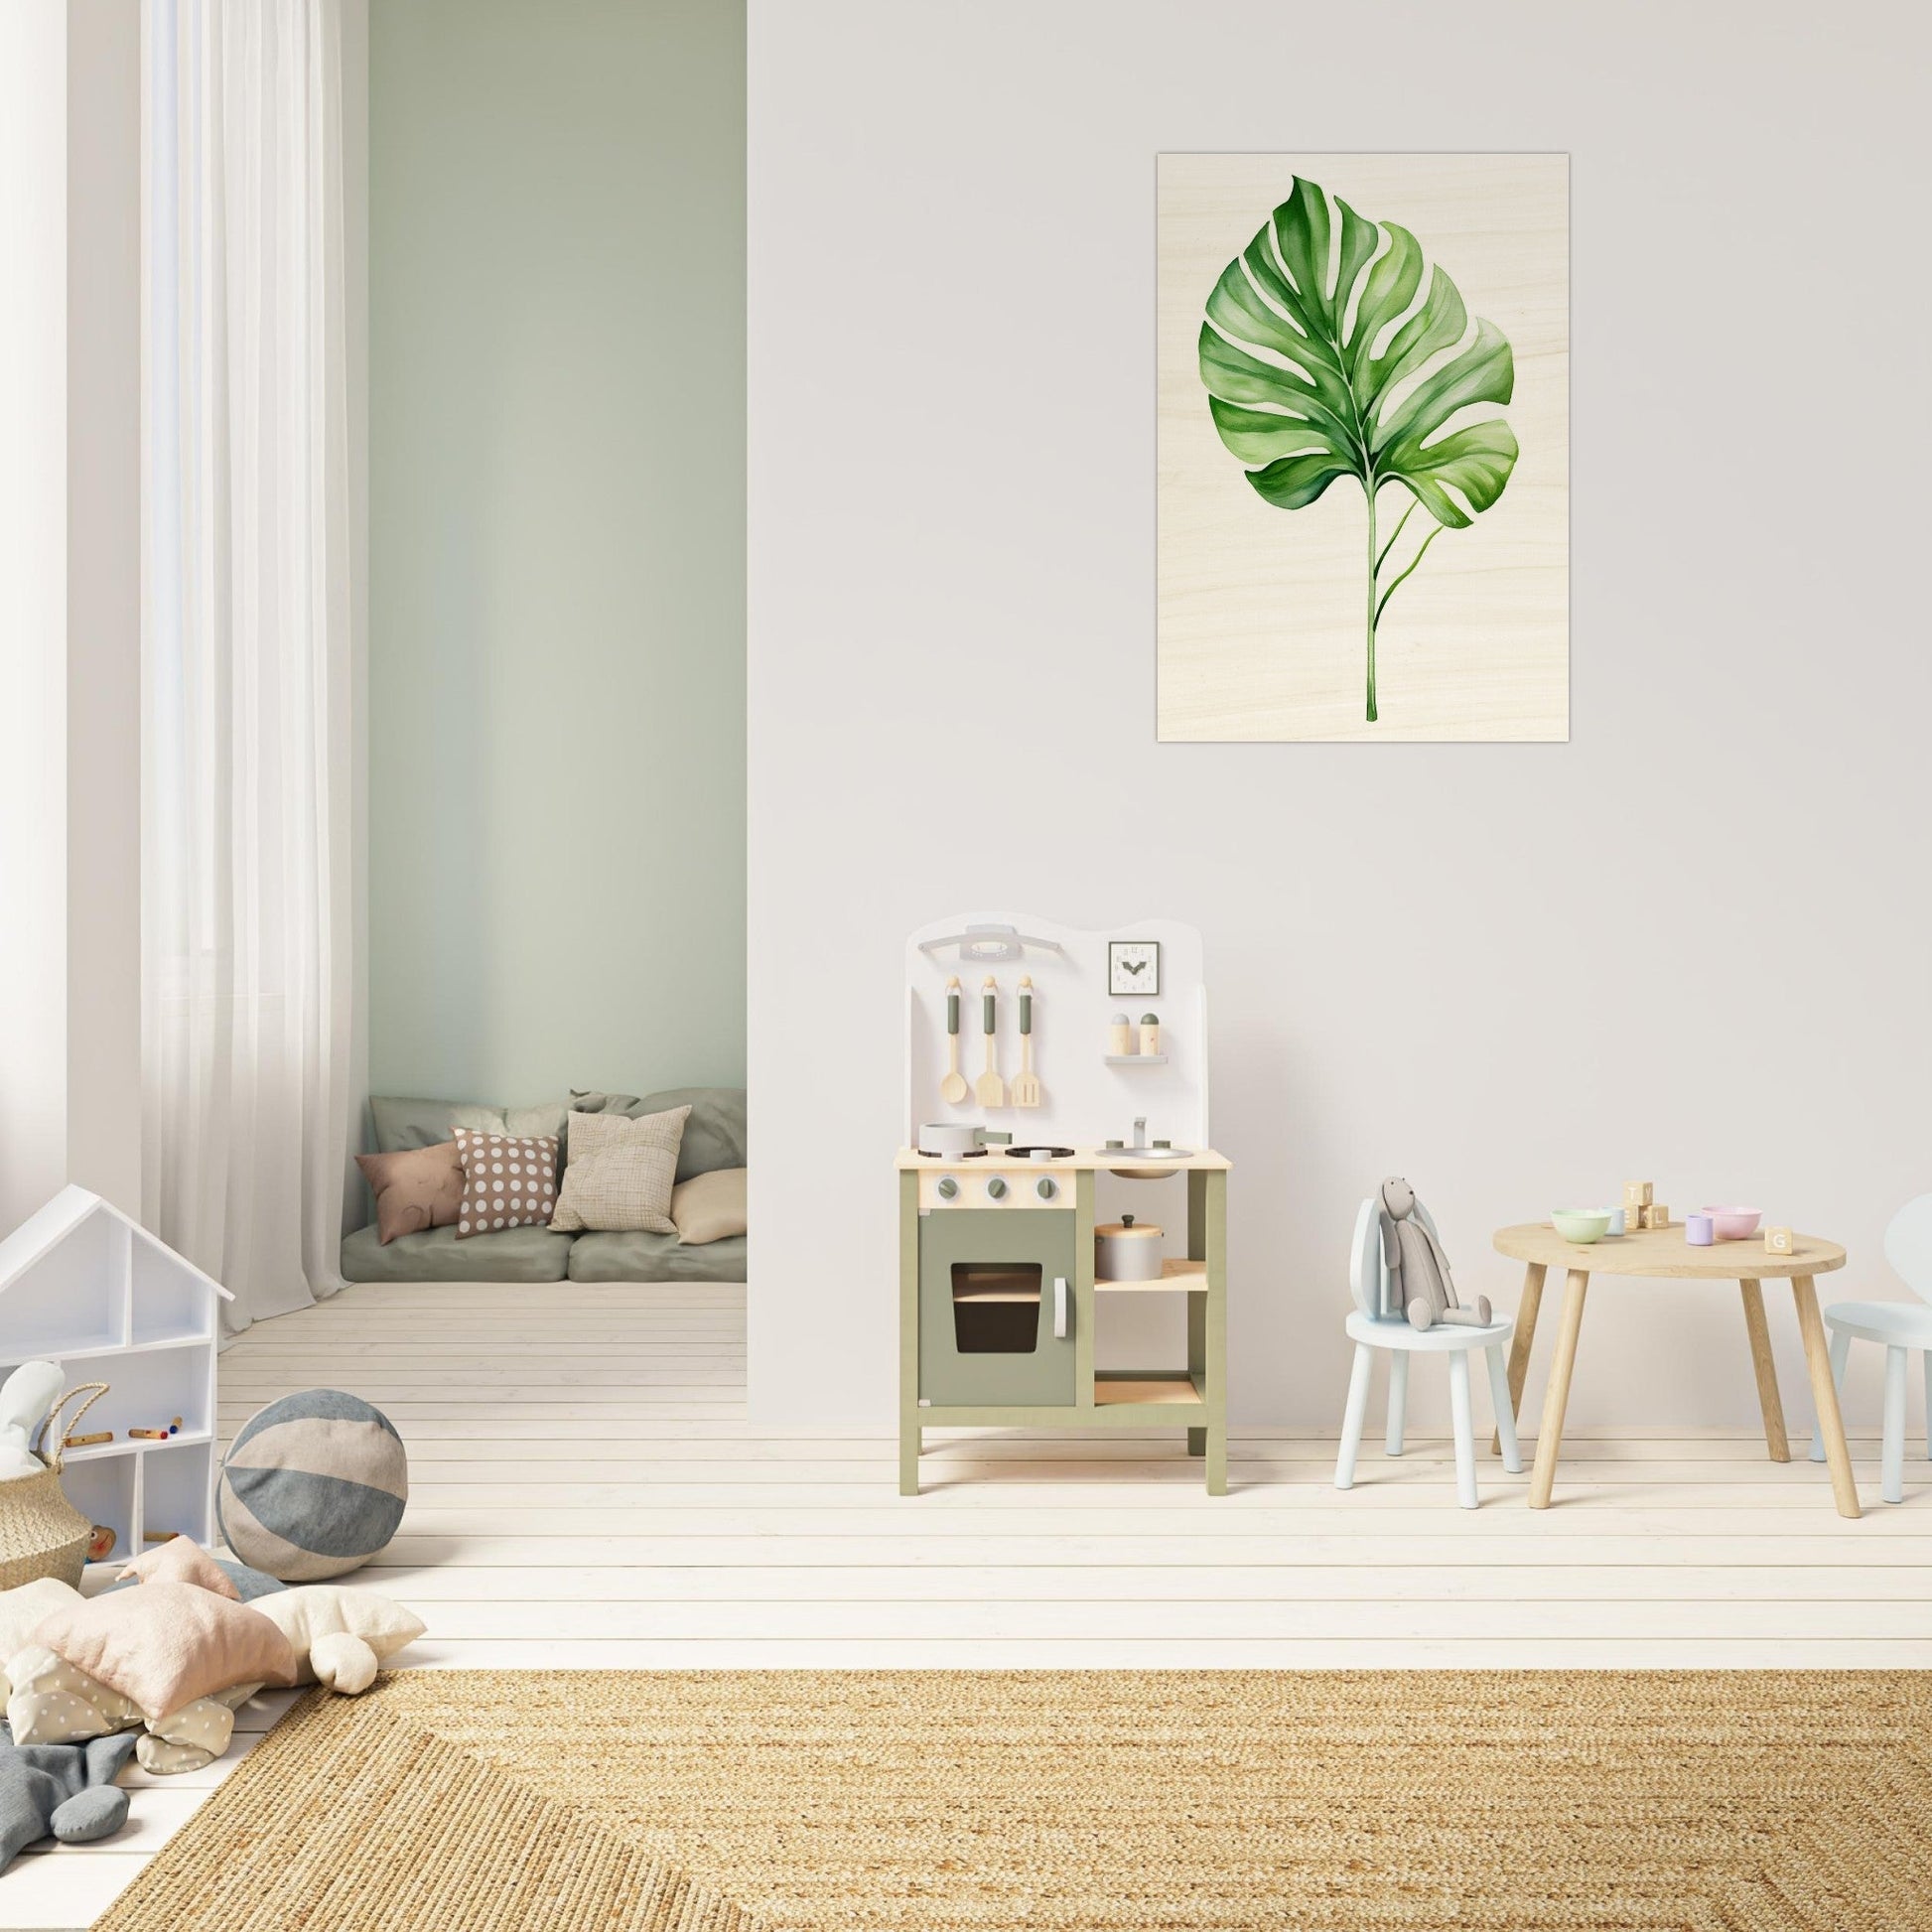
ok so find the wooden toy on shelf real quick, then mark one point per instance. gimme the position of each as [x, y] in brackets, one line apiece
[1779, 1241]
[88, 1441]
[100, 1543]
[1656, 1215]
[1636, 1194]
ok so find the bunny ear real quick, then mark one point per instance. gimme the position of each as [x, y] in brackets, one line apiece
[28, 1397]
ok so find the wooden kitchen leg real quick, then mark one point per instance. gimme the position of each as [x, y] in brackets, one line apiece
[1766, 1371]
[1198, 1442]
[1824, 1396]
[912, 1440]
[1549, 1434]
[1519, 1346]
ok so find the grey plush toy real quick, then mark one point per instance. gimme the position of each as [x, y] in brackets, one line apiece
[64, 1791]
[1419, 1283]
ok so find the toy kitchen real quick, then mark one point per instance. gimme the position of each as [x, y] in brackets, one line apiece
[1043, 1068]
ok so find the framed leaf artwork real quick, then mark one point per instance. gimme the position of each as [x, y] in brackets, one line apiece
[1364, 447]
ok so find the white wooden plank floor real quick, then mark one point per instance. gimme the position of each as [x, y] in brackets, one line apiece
[585, 1492]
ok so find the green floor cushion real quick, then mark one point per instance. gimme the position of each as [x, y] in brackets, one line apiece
[529, 1254]
[713, 1132]
[655, 1257]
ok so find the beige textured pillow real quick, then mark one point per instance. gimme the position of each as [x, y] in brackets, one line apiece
[620, 1172]
[709, 1206]
[419, 1189]
[167, 1644]
[508, 1182]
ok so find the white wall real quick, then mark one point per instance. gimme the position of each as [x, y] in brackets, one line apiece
[951, 521]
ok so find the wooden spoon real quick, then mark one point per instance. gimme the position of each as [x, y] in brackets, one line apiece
[1025, 1085]
[952, 1089]
[991, 1090]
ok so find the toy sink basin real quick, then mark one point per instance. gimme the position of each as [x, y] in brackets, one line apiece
[1581, 1224]
[1734, 1224]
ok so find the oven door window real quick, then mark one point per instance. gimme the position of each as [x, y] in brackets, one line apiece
[996, 1307]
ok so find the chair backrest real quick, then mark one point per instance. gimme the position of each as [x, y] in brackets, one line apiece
[1365, 1260]
[1908, 1246]
[1368, 1277]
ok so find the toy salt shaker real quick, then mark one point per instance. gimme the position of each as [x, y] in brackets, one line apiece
[1119, 1037]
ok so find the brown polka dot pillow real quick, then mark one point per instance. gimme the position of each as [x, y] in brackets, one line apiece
[508, 1181]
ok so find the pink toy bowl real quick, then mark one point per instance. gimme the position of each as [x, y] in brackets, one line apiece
[1735, 1223]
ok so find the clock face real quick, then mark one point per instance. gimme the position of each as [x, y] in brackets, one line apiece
[1134, 966]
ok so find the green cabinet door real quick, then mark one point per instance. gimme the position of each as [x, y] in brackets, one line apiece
[989, 1305]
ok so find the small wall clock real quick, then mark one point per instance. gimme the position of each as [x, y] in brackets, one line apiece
[1134, 966]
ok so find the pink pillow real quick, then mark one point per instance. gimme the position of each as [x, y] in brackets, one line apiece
[168, 1643]
[180, 1559]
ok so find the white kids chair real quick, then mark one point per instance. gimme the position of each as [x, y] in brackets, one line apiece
[1370, 1328]
[1902, 1326]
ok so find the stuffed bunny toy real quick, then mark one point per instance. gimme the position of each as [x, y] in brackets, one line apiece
[26, 1401]
[1419, 1283]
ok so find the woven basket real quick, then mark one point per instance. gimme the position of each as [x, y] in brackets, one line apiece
[41, 1534]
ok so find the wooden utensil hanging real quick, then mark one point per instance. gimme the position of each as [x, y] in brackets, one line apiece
[1025, 1084]
[991, 1090]
[952, 1089]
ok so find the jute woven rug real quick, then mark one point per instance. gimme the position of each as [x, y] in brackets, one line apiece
[1243, 1801]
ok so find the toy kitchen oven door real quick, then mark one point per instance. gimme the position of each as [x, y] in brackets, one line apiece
[998, 1264]
[1051, 1072]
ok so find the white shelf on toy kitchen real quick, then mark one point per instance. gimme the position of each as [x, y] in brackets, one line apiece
[1137, 1059]
[84, 1285]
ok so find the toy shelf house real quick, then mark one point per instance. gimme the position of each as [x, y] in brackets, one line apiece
[84, 1285]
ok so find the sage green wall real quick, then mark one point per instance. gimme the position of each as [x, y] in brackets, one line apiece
[556, 874]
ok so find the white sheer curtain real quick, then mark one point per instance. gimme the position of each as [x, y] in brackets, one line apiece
[246, 903]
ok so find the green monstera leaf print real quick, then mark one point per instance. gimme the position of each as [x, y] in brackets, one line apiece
[1320, 363]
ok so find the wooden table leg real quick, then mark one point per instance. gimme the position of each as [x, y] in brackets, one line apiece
[1766, 1371]
[1549, 1434]
[1824, 1396]
[1519, 1346]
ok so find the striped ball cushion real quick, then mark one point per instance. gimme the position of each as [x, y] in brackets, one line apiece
[313, 1485]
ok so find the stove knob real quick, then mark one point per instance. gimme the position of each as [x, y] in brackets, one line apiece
[1045, 1189]
[948, 1189]
[996, 1188]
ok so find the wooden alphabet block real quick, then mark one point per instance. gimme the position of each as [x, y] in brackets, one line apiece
[1779, 1241]
[1659, 1216]
[1637, 1217]
[1636, 1194]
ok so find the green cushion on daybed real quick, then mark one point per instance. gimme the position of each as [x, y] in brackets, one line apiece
[713, 1130]
[435, 1255]
[656, 1258]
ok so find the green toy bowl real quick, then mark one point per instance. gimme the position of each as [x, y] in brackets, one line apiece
[1581, 1224]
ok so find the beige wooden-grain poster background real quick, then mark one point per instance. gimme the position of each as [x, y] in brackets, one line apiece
[1261, 610]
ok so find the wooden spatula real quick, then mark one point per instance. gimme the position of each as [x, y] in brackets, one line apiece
[991, 1090]
[1025, 1085]
[952, 1089]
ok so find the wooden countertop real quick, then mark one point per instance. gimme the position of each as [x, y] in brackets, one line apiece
[1085, 1159]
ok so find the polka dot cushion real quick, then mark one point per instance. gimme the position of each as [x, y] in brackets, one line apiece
[313, 1484]
[508, 1182]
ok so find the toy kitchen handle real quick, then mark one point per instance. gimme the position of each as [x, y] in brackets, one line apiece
[1060, 1308]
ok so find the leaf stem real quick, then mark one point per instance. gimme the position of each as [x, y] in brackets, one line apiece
[1413, 562]
[1373, 608]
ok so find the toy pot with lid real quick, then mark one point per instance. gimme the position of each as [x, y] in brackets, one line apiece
[1127, 1250]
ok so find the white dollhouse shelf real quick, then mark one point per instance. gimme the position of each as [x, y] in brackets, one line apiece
[83, 1286]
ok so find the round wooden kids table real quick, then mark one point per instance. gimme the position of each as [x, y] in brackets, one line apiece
[1664, 1254]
